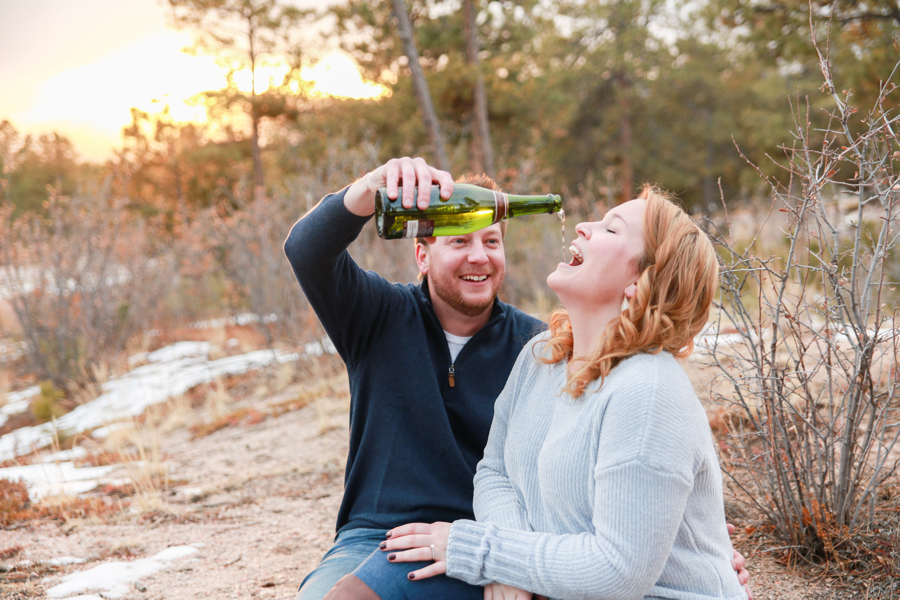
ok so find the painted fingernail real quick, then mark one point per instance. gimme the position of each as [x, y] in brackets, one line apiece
[412, 575]
[382, 545]
[388, 534]
[392, 556]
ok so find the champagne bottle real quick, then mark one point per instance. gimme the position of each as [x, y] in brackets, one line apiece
[469, 209]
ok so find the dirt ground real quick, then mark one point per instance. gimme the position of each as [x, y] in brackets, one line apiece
[262, 499]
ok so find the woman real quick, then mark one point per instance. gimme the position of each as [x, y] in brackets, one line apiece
[600, 478]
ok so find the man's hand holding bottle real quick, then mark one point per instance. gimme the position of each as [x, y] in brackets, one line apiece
[413, 172]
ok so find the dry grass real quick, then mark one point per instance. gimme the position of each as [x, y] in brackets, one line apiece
[241, 416]
[124, 549]
[16, 506]
[324, 386]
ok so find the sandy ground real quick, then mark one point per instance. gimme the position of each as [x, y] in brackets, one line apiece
[262, 500]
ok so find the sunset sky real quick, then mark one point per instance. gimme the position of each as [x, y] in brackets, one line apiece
[76, 67]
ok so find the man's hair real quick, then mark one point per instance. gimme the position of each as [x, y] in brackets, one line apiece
[481, 180]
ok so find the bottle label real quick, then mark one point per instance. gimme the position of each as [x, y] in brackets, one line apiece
[414, 229]
[501, 206]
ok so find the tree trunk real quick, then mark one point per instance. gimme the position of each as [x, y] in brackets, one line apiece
[481, 155]
[175, 162]
[625, 171]
[259, 183]
[429, 116]
[709, 180]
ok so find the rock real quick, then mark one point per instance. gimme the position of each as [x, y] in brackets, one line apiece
[139, 586]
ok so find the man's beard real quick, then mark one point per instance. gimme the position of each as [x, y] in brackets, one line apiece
[454, 298]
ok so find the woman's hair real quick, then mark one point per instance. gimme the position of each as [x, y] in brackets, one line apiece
[678, 276]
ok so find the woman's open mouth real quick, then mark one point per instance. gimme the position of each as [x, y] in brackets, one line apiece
[577, 258]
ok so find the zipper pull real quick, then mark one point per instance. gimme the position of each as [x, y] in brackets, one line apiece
[451, 374]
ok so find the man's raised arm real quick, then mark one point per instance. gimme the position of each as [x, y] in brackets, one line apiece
[345, 297]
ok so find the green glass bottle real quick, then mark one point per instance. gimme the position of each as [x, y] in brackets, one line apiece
[469, 209]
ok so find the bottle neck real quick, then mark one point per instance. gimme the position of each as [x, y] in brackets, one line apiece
[533, 205]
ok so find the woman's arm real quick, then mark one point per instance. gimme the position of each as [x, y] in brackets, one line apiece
[496, 499]
[623, 559]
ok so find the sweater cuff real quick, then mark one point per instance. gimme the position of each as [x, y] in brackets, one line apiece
[481, 553]
[466, 550]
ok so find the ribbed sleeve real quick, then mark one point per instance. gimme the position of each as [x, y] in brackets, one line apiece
[497, 500]
[615, 495]
[638, 515]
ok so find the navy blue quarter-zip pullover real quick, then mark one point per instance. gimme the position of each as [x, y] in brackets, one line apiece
[414, 439]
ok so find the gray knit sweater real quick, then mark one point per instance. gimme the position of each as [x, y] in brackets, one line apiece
[617, 494]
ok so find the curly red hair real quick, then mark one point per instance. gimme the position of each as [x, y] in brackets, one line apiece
[678, 277]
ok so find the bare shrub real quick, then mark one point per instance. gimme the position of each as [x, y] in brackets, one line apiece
[248, 242]
[811, 360]
[81, 277]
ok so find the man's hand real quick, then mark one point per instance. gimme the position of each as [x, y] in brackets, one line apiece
[408, 172]
[500, 591]
[737, 563]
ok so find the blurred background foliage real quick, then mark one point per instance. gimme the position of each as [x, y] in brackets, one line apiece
[593, 98]
[589, 99]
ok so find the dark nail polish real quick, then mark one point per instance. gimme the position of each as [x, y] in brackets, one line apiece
[382, 545]
[412, 575]
[388, 534]
[392, 556]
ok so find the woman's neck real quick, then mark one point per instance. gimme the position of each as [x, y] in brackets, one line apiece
[588, 327]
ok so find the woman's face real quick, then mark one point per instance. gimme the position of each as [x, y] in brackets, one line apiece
[605, 258]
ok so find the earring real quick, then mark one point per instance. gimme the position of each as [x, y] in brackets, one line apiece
[624, 303]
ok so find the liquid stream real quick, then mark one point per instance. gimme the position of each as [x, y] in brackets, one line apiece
[562, 222]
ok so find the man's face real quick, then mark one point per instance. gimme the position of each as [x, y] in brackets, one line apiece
[464, 271]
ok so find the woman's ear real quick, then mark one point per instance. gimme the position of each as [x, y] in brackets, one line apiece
[630, 291]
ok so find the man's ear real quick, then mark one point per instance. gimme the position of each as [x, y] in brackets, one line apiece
[422, 258]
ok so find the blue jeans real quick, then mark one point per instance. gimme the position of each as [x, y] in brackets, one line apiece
[356, 551]
[350, 549]
[389, 580]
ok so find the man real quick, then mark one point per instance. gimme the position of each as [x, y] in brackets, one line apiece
[425, 362]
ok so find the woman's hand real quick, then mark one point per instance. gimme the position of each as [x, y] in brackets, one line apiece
[501, 591]
[419, 541]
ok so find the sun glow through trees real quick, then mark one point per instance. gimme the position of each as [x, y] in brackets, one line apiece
[91, 103]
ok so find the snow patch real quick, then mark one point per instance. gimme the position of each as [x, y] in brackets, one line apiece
[326, 346]
[56, 562]
[103, 432]
[65, 455]
[113, 578]
[66, 560]
[171, 371]
[179, 350]
[62, 478]
[17, 402]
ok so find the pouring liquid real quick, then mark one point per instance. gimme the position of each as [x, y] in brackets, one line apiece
[562, 222]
